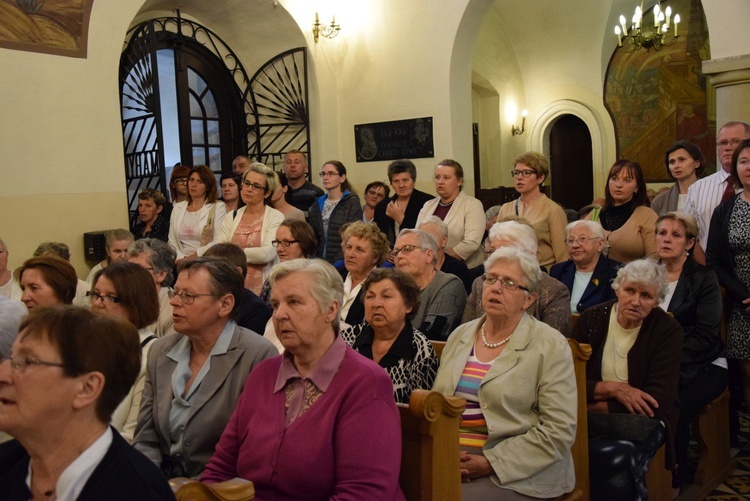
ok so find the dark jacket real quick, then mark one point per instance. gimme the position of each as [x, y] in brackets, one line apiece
[599, 288]
[696, 305]
[388, 225]
[253, 313]
[457, 267]
[123, 474]
[719, 256]
[329, 243]
[653, 361]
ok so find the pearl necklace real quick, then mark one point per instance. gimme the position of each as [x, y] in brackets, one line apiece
[441, 204]
[617, 351]
[493, 345]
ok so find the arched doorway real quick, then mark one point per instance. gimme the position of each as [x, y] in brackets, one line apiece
[571, 164]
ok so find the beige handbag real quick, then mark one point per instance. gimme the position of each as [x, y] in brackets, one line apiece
[207, 233]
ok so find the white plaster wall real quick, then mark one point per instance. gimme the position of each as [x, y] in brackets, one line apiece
[61, 150]
[727, 23]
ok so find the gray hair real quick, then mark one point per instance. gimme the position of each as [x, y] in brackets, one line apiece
[522, 235]
[161, 256]
[644, 272]
[326, 285]
[11, 313]
[424, 240]
[116, 235]
[58, 249]
[492, 213]
[438, 223]
[225, 279]
[528, 264]
[593, 226]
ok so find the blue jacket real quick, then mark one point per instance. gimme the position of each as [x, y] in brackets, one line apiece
[599, 289]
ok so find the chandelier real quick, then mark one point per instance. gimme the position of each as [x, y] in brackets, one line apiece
[642, 37]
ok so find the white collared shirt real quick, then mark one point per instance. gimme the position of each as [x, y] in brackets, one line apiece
[703, 197]
[74, 477]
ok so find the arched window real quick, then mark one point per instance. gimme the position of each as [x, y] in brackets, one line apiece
[187, 99]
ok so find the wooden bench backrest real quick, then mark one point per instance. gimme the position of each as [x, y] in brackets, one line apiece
[580, 450]
[429, 446]
[237, 489]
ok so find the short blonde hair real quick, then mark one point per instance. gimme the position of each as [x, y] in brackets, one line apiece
[370, 231]
[535, 161]
[687, 220]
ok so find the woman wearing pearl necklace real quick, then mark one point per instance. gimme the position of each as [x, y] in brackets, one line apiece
[631, 380]
[516, 374]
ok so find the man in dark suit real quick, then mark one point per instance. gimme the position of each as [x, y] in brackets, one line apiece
[588, 274]
[195, 376]
[401, 210]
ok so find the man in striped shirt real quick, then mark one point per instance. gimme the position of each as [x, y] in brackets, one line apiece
[706, 194]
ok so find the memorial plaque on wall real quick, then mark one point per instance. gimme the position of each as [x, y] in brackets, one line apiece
[410, 138]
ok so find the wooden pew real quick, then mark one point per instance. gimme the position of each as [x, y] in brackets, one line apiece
[438, 346]
[430, 451]
[580, 449]
[237, 489]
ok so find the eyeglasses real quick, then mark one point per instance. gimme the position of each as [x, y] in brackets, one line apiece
[283, 243]
[254, 186]
[96, 296]
[187, 297]
[329, 174]
[523, 173]
[729, 142]
[581, 240]
[406, 249]
[19, 363]
[505, 283]
[182, 180]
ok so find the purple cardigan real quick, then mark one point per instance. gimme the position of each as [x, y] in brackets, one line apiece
[347, 446]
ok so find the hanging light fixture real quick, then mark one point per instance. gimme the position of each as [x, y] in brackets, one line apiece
[647, 37]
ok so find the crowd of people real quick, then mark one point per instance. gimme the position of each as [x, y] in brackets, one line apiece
[165, 361]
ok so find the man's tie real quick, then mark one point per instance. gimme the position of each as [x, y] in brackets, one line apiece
[729, 191]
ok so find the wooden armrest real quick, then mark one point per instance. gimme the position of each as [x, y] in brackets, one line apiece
[236, 489]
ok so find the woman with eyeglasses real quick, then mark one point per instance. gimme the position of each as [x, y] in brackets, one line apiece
[463, 214]
[516, 374]
[253, 227]
[375, 192]
[338, 206]
[547, 218]
[178, 183]
[126, 291]
[588, 274]
[68, 370]
[195, 222]
[628, 222]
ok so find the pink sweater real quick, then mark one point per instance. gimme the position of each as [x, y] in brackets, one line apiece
[347, 446]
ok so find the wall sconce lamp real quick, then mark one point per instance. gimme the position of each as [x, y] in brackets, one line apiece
[517, 131]
[329, 31]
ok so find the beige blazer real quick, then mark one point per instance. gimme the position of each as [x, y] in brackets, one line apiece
[529, 400]
[213, 404]
[466, 223]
